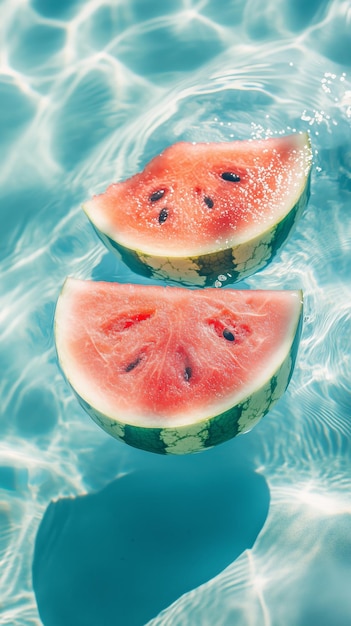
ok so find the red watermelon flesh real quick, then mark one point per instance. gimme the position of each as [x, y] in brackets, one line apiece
[196, 197]
[159, 356]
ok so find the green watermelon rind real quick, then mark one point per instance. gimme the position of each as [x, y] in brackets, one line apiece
[234, 263]
[213, 430]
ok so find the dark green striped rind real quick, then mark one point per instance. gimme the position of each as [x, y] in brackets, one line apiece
[234, 263]
[211, 431]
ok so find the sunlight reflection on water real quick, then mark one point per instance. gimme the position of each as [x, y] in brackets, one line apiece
[81, 107]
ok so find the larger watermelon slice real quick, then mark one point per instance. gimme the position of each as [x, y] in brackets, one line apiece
[173, 370]
[201, 210]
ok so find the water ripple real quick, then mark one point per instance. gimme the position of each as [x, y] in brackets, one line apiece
[90, 91]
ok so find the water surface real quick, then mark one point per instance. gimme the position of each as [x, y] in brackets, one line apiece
[257, 531]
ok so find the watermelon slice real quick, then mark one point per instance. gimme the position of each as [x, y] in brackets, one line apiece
[173, 370]
[199, 211]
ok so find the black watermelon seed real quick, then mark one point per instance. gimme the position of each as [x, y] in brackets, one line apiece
[230, 177]
[157, 195]
[209, 202]
[228, 335]
[187, 373]
[162, 216]
[132, 364]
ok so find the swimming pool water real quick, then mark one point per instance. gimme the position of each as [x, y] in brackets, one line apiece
[256, 532]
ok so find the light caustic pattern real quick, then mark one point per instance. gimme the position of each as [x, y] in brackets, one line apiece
[89, 92]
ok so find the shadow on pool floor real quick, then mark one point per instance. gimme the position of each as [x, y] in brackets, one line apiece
[125, 553]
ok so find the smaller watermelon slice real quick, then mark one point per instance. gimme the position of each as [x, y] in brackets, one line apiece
[201, 210]
[173, 370]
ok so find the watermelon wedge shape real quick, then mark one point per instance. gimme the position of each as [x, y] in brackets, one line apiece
[202, 210]
[173, 370]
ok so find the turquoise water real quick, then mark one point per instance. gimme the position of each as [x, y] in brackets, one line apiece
[256, 532]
